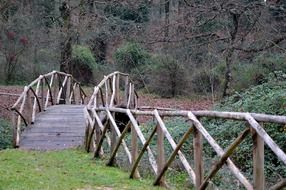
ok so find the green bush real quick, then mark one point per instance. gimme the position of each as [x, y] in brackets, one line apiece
[83, 64]
[206, 81]
[133, 59]
[6, 134]
[269, 98]
[167, 77]
[131, 56]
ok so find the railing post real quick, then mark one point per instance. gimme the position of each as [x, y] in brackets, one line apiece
[55, 88]
[98, 134]
[68, 90]
[258, 161]
[134, 153]
[117, 89]
[42, 94]
[15, 134]
[161, 153]
[198, 158]
[29, 109]
[126, 90]
[113, 141]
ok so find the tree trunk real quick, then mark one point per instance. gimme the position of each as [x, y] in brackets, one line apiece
[228, 74]
[66, 45]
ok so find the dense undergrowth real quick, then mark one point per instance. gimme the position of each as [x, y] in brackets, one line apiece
[5, 134]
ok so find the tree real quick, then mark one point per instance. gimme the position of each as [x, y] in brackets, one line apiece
[12, 46]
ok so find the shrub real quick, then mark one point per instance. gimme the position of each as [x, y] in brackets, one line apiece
[83, 64]
[167, 77]
[133, 59]
[206, 81]
[5, 134]
[267, 98]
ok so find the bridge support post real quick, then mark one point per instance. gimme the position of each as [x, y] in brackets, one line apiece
[29, 108]
[15, 134]
[68, 90]
[161, 153]
[258, 161]
[42, 94]
[134, 153]
[55, 88]
[113, 142]
[198, 158]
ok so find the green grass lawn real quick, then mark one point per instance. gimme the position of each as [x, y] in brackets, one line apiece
[68, 169]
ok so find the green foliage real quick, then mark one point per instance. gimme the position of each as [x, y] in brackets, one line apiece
[167, 77]
[84, 64]
[5, 134]
[137, 14]
[131, 56]
[83, 55]
[267, 98]
[205, 81]
[61, 170]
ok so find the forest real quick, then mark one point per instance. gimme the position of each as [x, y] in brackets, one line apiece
[171, 47]
[224, 55]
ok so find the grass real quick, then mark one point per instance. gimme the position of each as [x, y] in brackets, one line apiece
[61, 170]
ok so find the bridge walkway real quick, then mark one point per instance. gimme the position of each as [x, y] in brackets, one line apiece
[59, 127]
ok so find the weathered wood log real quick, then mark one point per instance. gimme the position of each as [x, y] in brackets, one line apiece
[109, 115]
[143, 141]
[183, 159]
[134, 150]
[198, 158]
[229, 151]
[266, 138]
[173, 155]
[220, 152]
[258, 161]
[114, 151]
[160, 154]
[214, 114]
[145, 146]
[36, 101]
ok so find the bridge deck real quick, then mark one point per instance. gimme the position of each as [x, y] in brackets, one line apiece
[59, 127]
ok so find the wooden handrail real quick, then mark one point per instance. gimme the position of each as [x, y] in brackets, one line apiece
[107, 91]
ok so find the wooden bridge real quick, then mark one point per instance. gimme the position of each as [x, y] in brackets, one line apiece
[100, 122]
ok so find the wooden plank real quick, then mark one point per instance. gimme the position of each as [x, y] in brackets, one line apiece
[58, 128]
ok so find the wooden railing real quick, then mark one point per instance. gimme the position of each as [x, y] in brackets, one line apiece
[49, 89]
[98, 131]
[115, 90]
